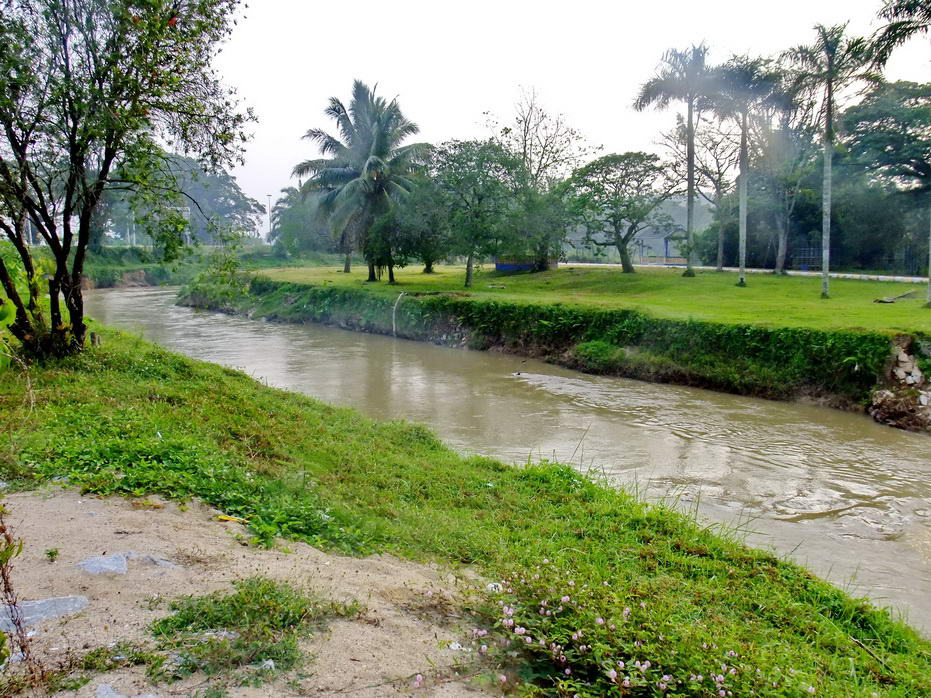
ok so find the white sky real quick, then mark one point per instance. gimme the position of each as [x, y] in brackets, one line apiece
[449, 62]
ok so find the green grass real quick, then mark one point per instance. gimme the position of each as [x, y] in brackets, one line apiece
[133, 419]
[767, 301]
[246, 636]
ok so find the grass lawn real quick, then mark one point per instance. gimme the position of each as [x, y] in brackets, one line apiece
[769, 301]
[599, 594]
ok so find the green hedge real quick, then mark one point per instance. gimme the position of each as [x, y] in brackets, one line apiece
[745, 359]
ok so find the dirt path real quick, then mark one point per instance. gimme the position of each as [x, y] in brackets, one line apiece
[407, 628]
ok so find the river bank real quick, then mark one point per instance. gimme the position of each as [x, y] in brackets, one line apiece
[129, 418]
[882, 373]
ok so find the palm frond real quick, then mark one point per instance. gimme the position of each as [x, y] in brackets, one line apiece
[309, 167]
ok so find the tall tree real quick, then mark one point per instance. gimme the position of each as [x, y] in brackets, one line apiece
[889, 133]
[424, 223]
[906, 18]
[831, 64]
[88, 88]
[744, 83]
[683, 77]
[618, 196]
[548, 149]
[717, 148]
[365, 170]
[787, 144]
[214, 202]
[475, 177]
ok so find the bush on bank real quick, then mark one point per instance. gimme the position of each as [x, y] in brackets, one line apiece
[617, 597]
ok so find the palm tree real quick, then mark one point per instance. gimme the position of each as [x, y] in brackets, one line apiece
[682, 77]
[832, 63]
[905, 18]
[743, 83]
[365, 171]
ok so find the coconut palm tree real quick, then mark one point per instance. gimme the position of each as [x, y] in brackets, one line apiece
[743, 83]
[683, 76]
[832, 63]
[365, 170]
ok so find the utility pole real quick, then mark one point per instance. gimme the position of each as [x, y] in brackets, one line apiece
[268, 211]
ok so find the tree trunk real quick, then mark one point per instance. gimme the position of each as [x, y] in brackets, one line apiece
[627, 266]
[428, 266]
[690, 189]
[391, 271]
[469, 267]
[782, 233]
[74, 301]
[826, 193]
[372, 276]
[348, 262]
[742, 280]
[720, 266]
[929, 268]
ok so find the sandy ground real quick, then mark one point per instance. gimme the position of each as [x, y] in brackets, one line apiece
[406, 629]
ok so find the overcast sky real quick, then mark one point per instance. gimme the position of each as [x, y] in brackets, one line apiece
[449, 62]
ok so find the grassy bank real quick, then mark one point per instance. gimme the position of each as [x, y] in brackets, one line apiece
[768, 301]
[840, 366]
[617, 597]
[115, 266]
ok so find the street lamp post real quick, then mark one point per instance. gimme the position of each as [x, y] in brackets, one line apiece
[269, 212]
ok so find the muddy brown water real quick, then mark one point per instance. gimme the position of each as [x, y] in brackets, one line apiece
[848, 498]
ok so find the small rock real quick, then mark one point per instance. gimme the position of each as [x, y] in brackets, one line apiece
[151, 559]
[268, 664]
[924, 399]
[900, 373]
[221, 635]
[104, 564]
[36, 611]
[903, 357]
[105, 690]
[911, 380]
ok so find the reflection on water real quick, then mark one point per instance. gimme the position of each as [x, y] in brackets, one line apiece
[846, 496]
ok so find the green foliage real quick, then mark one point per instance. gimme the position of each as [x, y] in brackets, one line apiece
[298, 225]
[618, 196]
[221, 277]
[132, 419]
[477, 179]
[119, 656]
[126, 77]
[252, 632]
[51, 554]
[888, 132]
[365, 171]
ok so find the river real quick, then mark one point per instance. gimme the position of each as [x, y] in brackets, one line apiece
[846, 497]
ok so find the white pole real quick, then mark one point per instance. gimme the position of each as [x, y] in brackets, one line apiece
[929, 265]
